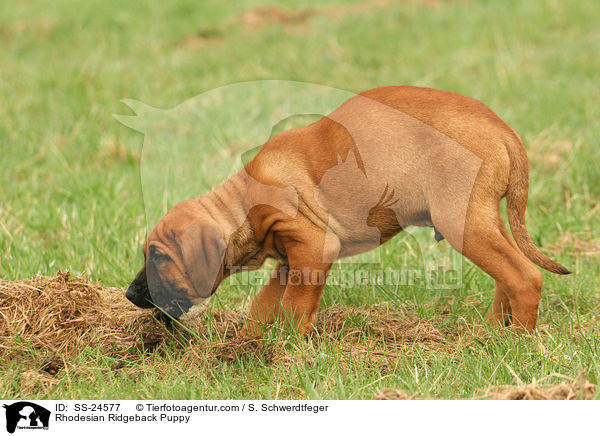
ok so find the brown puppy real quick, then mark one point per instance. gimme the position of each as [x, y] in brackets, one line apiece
[386, 159]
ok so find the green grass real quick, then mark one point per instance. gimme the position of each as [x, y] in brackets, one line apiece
[71, 196]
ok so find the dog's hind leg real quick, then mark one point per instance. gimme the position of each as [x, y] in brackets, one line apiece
[518, 282]
[501, 311]
[465, 207]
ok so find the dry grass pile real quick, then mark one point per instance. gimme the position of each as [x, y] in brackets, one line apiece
[380, 323]
[393, 394]
[571, 389]
[63, 316]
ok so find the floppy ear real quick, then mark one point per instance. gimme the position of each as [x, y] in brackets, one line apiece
[202, 250]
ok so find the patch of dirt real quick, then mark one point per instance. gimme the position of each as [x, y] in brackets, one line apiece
[199, 39]
[571, 389]
[52, 364]
[263, 16]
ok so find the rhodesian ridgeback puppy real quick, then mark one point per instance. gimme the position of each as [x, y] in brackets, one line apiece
[386, 159]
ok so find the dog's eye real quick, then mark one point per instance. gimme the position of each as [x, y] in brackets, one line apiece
[156, 256]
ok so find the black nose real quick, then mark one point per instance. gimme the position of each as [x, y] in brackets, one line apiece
[140, 297]
[130, 294]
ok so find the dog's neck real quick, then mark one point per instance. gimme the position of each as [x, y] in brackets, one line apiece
[225, 204]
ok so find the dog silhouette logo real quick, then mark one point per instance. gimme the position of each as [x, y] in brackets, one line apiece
[26, 415]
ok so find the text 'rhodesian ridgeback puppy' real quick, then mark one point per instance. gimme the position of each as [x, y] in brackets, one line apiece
[386, 159]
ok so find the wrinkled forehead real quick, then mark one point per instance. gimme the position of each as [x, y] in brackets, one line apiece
[175, 225]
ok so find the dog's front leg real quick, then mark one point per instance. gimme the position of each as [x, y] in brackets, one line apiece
[306, 280]
[267, 303]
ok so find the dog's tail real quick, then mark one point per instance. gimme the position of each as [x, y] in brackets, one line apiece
[516, 202]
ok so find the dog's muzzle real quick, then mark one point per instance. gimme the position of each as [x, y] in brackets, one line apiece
[176, 307]
[172, 308]
[140, 297]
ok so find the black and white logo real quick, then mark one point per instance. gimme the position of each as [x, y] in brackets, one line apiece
[26, 415]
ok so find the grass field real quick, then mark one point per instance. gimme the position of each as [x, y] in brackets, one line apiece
[71, 197]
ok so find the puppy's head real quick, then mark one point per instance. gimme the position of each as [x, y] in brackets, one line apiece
[184, 261]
